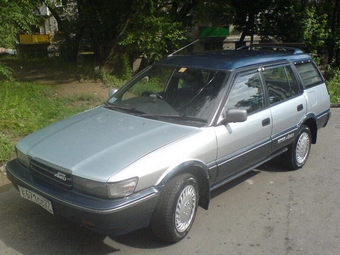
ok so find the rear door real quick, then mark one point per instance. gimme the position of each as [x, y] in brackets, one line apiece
[241, 145]
[287, 104]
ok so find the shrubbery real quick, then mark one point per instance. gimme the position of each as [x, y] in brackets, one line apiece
[333, 82]
[5, 73]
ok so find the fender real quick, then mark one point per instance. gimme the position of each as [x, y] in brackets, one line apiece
[200, 171]
[306, 117]
[311, 121]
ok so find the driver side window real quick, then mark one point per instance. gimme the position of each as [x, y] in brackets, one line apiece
[246, 93]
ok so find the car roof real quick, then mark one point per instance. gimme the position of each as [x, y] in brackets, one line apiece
[233, 59]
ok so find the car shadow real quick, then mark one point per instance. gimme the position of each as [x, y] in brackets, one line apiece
[28, 229]
[146, 239]
[274, 165]
[234, 183]
[143, 238]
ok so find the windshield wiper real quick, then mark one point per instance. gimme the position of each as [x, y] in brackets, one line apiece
[156, 116]
[180, 117]
[124, 109]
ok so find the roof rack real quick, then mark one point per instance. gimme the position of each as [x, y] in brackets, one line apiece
[275, 47]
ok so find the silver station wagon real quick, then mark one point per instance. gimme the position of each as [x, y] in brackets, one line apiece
[151, 154]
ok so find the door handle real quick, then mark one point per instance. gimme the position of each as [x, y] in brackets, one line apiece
[266, 122]
[299, 107]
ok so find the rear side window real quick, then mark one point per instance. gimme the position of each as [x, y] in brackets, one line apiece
[281, 84]
[309, 74]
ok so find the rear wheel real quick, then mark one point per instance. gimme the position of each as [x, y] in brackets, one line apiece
[297, 155]
[176, 209]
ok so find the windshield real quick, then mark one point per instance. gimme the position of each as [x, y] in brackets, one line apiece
[173, 94]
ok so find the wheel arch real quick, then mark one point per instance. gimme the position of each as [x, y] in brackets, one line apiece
[200, 171]
[312, 124]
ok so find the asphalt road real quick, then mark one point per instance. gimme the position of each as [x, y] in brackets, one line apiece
[268, 211]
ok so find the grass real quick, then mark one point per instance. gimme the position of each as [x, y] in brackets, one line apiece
[6, 147]
[334, 87]
[334, 92]
[27, 107]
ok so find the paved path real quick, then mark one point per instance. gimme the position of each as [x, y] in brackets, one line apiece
[268, 211]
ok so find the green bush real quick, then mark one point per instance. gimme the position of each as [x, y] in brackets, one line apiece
[124, 69]
[334, 89]
[5, 73]
[113, 81]
[333, 82]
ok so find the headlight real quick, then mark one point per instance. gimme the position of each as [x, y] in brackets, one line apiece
[123, 188]
[106, 190]
[22, 157]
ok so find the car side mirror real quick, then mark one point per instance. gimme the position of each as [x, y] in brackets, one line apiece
[234, 115]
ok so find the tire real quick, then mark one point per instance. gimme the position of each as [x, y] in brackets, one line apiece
[176, 208]
[297, 155]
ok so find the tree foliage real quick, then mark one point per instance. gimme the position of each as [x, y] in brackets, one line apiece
[15, 15]
[246, 14]
[315, 32]
[330, 8]
[153, 35]
[116, 30]
[215, 13]
[283, 21]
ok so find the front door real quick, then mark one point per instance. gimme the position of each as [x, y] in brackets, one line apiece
[241, 145]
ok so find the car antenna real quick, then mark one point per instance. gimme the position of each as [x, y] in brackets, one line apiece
[183, 48]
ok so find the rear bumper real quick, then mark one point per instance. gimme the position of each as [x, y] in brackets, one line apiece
[322, 119]
[107, 216]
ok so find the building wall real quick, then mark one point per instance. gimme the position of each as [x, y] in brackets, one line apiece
[218, 43]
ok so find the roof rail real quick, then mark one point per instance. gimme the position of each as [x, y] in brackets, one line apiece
[276, 47]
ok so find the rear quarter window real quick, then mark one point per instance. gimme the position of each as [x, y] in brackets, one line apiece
[309, 74]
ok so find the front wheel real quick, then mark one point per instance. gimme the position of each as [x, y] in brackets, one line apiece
[176, 208]
[297, 155]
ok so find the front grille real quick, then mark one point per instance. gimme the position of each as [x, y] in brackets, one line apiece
[50, 174]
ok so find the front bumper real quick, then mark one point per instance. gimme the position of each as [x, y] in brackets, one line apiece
[107, 216]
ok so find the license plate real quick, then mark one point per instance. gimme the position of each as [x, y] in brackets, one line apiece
[36, 198]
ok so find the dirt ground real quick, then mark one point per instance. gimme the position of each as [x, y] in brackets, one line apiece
[3, 177]
[63, 81]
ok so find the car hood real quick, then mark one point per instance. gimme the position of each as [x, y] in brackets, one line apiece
[98, 143]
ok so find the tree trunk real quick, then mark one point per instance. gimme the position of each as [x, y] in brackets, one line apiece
[71, 47]
[113, 57]
[332, 52]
